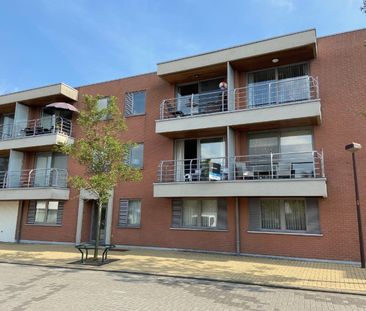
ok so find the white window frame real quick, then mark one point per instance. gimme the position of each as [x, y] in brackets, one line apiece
[47, 203]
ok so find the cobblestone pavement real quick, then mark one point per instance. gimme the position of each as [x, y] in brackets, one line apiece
[40, 288]
[345, 278]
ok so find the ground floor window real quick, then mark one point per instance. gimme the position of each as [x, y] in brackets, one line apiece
[293, 215]
[129, 213]
[283, 215]
[199, 213]
[45, 212]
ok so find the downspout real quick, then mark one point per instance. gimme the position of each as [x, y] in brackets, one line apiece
[18, 231]
[237, 225]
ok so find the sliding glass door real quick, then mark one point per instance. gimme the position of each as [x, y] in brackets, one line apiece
[278, 85]
[287, 152]
[192, 157]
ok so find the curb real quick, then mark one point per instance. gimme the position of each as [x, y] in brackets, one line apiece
[182, 277]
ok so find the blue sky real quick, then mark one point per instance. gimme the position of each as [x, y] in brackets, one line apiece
[86, 41]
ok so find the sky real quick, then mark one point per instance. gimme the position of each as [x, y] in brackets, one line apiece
[81, 42]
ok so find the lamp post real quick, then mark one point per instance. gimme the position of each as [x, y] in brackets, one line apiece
[353, 148]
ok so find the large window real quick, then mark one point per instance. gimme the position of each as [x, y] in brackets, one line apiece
[199, 213]
[136, 156]
[291, 149]
[299, 215]
[283, 214]
[278, 85]
[283, 141]
[135, 103]
[201, 97]
[45, 212]
[130, 213]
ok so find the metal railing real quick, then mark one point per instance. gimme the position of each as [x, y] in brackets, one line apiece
[33, 178]
[194, 104]
[293, 165]
[255, 95]
[264, 94]
[43, 126]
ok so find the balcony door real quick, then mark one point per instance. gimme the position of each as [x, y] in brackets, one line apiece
[4, 163]
[6, 125]
[42, 167]
[50, 169]
[193, 155]
[278, 85]
[291, 149]
[205, 99]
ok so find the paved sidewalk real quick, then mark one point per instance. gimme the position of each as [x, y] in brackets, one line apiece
[249, 270]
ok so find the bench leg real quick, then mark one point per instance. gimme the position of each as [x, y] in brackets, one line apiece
[86, 254]
[104, 255]
[82, 255]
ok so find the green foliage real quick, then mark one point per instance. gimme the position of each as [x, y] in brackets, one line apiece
[100, 149]
[363, 7]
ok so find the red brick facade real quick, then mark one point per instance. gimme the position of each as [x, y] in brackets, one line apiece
[340, 67]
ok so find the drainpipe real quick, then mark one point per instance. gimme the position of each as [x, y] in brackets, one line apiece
[237, 225]
[18, 230]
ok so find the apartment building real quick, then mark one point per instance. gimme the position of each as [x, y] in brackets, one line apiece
[241, 151]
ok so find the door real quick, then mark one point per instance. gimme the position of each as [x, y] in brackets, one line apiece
[4, 162]
[58, 175]
[41, 174]
[7, 126]
[8, 220]
[94, 222]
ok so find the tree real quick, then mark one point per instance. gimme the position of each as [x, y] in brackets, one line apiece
[363, 7]
[101, 152]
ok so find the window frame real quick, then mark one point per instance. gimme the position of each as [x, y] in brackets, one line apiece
[278, 133]
[130, 156]
[45, 222]
[275, 68]
[200, 208]
[127, 225]
[106, 117]
[133, 114]
[281, 204]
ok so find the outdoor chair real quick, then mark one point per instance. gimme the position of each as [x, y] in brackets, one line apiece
[243, 172]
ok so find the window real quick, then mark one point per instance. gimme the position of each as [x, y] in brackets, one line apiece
[292, 150]
[45, 212]
[199, 213]
[129, 213]
[135, 103]
[278, 85]
[136, 156]
[103, 104]
[283, 215]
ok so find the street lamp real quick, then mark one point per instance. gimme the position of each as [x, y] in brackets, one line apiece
[353, 148]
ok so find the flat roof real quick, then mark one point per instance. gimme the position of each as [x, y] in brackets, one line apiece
[51, 91]
[286, 42]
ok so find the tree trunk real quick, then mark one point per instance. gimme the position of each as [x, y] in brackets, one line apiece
[97, 234]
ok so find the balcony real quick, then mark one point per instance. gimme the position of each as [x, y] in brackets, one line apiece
[275, 174]
[35, 133]
[294, 100]
[34, 184]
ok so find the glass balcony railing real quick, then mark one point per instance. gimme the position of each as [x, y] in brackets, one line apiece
[34, 178]
[36, 127]
[274, 166]
[255, 95]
